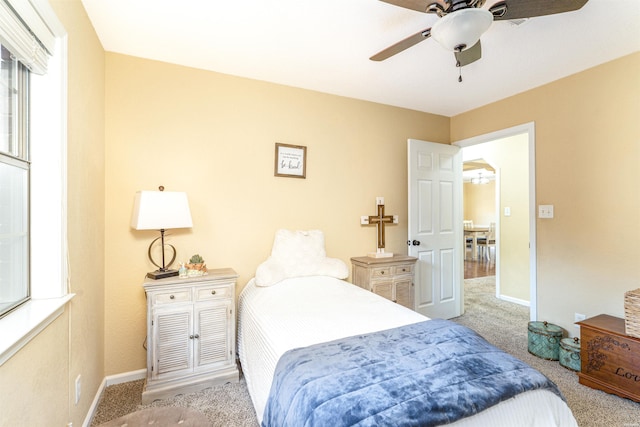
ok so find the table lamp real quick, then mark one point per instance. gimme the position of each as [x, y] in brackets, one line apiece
[161, 210]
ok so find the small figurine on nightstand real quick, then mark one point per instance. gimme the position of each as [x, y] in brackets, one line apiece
[196, 266]
[182, 271]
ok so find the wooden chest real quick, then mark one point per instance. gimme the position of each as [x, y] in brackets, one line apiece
[610, 359]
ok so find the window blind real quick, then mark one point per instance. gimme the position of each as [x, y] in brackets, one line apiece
[24, 32]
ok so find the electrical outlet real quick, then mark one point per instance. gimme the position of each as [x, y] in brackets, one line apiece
[577, 317]
[78, 388]
[545, 211]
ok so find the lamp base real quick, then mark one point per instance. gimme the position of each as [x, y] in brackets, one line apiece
[162, 274]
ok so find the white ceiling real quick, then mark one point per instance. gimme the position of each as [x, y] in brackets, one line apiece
[325, 45]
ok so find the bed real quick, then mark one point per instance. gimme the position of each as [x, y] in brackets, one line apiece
[298, 306]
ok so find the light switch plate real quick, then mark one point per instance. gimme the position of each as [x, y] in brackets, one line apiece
[545, 211]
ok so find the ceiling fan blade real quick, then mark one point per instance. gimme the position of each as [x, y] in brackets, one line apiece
[468, 56]
[517, 9]
[402, 45]
[419, 5]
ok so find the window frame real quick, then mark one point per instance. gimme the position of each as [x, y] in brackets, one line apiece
[17, 156]
[48, 197]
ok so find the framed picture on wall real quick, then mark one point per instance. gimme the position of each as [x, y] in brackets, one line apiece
[291, 161]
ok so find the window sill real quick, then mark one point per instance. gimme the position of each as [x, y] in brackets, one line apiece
[23, 324]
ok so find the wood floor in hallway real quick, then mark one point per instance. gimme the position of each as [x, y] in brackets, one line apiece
[479, 268]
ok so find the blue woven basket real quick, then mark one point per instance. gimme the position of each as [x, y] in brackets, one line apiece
[570, 353]
[544, 340]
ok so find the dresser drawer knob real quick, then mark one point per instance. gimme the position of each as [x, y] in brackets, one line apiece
[172, 297]
[213, 292]
[382, 272]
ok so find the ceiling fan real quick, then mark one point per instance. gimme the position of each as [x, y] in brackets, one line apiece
[462, 22]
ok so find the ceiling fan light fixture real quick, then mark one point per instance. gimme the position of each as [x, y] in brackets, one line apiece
[461, 29]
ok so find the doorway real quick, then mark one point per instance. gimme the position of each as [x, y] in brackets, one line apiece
[515, 210]
[479, 213]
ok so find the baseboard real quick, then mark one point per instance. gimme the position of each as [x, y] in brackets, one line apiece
[107, 381]
[514, 300]
[94, 404]
[125, 377]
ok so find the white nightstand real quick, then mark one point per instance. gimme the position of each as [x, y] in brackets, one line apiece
[391, 278]
[191, 333]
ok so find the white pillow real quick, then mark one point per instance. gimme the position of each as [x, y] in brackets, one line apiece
[298, 254]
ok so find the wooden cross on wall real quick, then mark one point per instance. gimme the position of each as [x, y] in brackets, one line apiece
[380, 220]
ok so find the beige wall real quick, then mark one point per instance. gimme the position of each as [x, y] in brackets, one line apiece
[33, 383]
[36, 384]
[587, 152]
[479, 202]
[213, 136]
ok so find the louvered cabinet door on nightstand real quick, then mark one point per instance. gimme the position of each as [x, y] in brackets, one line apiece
[391, 277]
[190, 334]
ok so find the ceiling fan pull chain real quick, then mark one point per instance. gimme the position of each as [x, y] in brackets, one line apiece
[459, 72]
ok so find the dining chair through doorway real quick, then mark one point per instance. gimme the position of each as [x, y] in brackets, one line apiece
[487, 242]
[467, 224]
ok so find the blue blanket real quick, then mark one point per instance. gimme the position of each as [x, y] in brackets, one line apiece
[426, 374]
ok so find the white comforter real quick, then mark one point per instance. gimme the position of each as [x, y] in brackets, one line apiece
[303, 311]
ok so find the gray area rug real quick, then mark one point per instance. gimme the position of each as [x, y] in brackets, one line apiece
[502, 323]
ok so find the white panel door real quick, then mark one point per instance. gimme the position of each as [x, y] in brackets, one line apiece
[435, 227]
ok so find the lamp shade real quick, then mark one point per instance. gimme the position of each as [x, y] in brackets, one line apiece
[462, 28]
[160, 210]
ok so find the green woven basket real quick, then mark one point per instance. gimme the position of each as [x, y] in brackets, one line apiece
[544, 340]
[570, 353]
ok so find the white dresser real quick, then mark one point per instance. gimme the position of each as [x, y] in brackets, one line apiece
[391, 278]
[191, 333]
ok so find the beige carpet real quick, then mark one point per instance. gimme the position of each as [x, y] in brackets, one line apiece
[227, 405]
[502, 323]
[166, 416]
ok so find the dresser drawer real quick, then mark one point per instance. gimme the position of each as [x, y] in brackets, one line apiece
[213, 292]
[381, 272]
[402, 269]
[171, 297]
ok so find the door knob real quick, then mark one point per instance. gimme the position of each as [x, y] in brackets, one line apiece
[416, 243]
